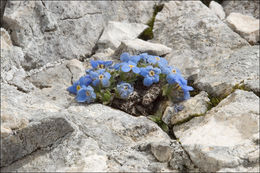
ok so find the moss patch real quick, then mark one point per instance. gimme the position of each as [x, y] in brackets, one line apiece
[148, 33]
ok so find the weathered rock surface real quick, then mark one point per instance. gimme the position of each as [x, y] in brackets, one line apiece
[103, 139]
[217, 9]
[138, 46]
[242, 66]
[246, 26]
[115, 32]
[38, 134]
[195, 106]
[250, 8]
[226, 138]
[48, 31]
[205, 49]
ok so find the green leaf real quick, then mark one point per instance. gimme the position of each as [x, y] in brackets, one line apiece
[165, 89]
[165, 127]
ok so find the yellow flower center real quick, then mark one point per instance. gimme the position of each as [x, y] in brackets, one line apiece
[78, 87]
[157, 58]
[87, 93]
[101, 66]
[125, 87]
[101, 77]
[131, 66]
[178, 87]
[173, 70]
[151, 73]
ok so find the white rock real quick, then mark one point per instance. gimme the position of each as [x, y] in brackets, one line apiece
[115, 32]
[201, 44]
[246, 26]
[217, 9]
[195, 106]
[248, 7]
[224, 138]
[6, 42]
[137, 46]
[76, 68]
[48, 31]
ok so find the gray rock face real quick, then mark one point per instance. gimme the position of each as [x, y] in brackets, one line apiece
[226, 136]
[217, 9]
[204, 48]
[35, 136]
[48, 31]
[103, 140]
[196, 106]
[242, 66]
[246, 26]
[250, 8]
[115, 32]
[138, 46]
[107, 140]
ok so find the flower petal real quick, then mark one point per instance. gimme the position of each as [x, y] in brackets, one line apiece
[96, 82]
[136, 70]
[81, 96]
[125, 68]
[105, 82]
[125, 57]
[94, 64]
[148, 81]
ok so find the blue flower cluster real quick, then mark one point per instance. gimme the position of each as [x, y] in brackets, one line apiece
[105, 80]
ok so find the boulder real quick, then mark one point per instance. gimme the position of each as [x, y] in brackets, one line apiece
[138, 46]
[104, 139]
[195, 106]
[226, 138]
[246, 26]
[250, 8]
[205, 49]
[217, 9]
[115, 32]
[48, 31]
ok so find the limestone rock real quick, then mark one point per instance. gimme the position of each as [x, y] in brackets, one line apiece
[198, 38]
[250, 8]
[115, 32]
[224, 138]
[217, 9]
[163, 153]
[35, 136]
[246, 26]
[195, 106]
[138, 46]
[76, 69]
[49, 31]
[239, 68]
[103, 140]
[6, 42]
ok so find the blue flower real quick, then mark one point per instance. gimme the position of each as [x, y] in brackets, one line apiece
[117, 66]
[124, 90]
[157, 60]
[100, 64]
[83, 81]
[173, 75]
[186, 90]
[125, 57]
[86, 94]
[150, 74]
[128, 66]
[100, 76]
[144, 57]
